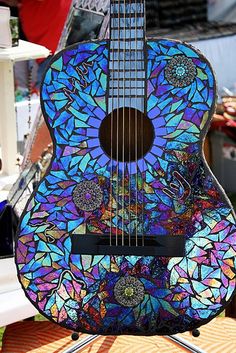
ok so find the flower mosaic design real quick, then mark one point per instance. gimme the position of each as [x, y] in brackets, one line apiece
[129, 291]
[180, 71]
[87, 196]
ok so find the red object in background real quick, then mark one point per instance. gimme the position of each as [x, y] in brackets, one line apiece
[43, 20]
[224, 124]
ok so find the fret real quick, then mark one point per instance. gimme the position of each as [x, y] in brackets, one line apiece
[127, 39]
[127, 9]
[130, 70]
[127, 65]
[126, 60]
[128, 22]
[127, 55]
[126, 16]
[127, 28]
[116, 44]
[120, 79]
[125, 1]
[128, 93]
[128, 34]
[136, 92]
[133, 101]
[127, 84]
[132, 75]
[126, 50]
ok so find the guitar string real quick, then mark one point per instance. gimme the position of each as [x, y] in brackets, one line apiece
[139, 123]
[129, 128]
[142, 124]
[123, 123]
[136, 132]
[112, 121]
[117, 127]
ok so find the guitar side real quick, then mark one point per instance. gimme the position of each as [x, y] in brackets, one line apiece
[181, 197]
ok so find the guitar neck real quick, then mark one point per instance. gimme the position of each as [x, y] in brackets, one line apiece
[126, 65]
[127, 20]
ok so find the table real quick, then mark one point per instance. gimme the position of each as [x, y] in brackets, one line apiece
[14, 305]
[8, 137]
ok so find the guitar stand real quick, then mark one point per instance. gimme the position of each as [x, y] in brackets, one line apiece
[186, 344]
[175, 338]
[196, 332]
[82, 344]
[75, 336]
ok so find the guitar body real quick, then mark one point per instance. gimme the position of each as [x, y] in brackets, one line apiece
[168, 191]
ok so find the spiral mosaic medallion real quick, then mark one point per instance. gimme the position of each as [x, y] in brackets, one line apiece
[87, 195]
[180, 71]
[129, 291]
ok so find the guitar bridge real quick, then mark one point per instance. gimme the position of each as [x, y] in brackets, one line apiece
[149, 245]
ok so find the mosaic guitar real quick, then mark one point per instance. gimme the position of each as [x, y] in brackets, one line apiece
[128, 232]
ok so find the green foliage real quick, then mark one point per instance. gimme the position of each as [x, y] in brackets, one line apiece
[39, 317]
[1, 334]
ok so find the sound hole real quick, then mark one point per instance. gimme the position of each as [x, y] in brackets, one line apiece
[131, 137]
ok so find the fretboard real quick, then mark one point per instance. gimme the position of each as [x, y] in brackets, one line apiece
[126, 65]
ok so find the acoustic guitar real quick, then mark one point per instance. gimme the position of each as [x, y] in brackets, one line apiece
[128, 232]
